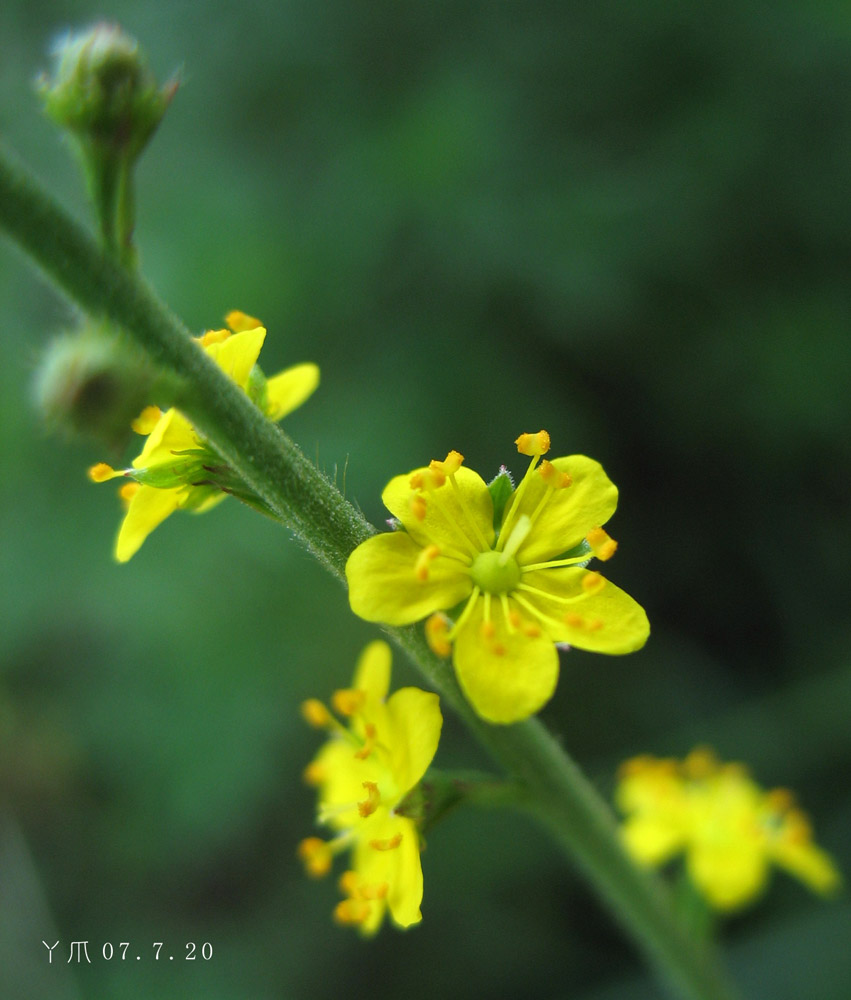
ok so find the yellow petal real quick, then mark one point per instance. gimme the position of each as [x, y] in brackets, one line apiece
[341, 786]
[415, 723]
[459, 522]
[172, 433]
[605, 620]
[728, 874]
[148, 508]
[809, 863]
[209, 503]
[569, 514]
[508, 675]
[399, 868]
[237, 355]
[372, 673]
[384, 586]
[652, 839]
[289, 389]
[406, 888]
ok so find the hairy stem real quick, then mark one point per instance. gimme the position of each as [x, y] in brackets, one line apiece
[552, 788]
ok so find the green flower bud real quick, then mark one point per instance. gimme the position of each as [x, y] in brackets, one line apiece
[103, 91]
[91, 383]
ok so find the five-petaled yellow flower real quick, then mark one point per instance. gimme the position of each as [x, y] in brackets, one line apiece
[730, 830]
[177, 469]
[363, 774]
[515, 569]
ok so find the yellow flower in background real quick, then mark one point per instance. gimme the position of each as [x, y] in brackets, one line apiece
[731, 831]
[512, 560]
[363, 773]
[177, 469]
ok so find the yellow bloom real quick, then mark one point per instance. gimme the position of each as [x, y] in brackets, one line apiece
[177, 469]
[730, 830]
[363, 774]
[516, 559]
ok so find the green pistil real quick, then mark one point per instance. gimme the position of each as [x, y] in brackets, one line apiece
[494, 573]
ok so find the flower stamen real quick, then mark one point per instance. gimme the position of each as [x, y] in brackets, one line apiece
[348, 701]
[386, 845]
[372, 800]
[437, 634]
[424, 560]
[602, 545]
[465, 614]
[369, 742]
[527, 444]
[424, 481]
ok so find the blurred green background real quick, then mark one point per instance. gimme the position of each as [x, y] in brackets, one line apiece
[627, 224]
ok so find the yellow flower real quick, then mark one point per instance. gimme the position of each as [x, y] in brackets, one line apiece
[177, 469]
[731, 831]
[363, 774]
[516, 559]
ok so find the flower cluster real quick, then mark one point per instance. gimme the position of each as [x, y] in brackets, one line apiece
[364, 773]
[179, 470]
[730, 830]
[509, 565]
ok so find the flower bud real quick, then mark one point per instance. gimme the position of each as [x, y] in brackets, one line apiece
[91, 383]
[103, 91]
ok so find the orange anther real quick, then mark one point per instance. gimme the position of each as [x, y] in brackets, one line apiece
[533, 444]
[101, 472]
[147, 420]
[240, 321]
[427, 556]
[369, 743]
[213, 337]
[553, 477]
[314, 774]
[593, 583]
[437, 634]
[418, 506]
[315, 713]
[602, 545]
[386, 845]
[372, 800]
[449, 466]
[316, 855]
[351, 912]
[127, 492]
[348, 701]
[378, 891]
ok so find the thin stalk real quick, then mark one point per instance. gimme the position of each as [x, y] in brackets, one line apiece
[552, 789]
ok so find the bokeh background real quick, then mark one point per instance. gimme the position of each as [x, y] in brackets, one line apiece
[628, 224]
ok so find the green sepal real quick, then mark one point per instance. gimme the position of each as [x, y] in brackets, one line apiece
[500, 488]
[441, 791]
[582, 549]
[257, 389]
[187, 470]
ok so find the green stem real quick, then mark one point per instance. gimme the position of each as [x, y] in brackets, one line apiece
[552, 788]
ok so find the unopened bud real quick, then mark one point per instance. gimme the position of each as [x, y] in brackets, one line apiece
[90, 383]
[102, 90]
